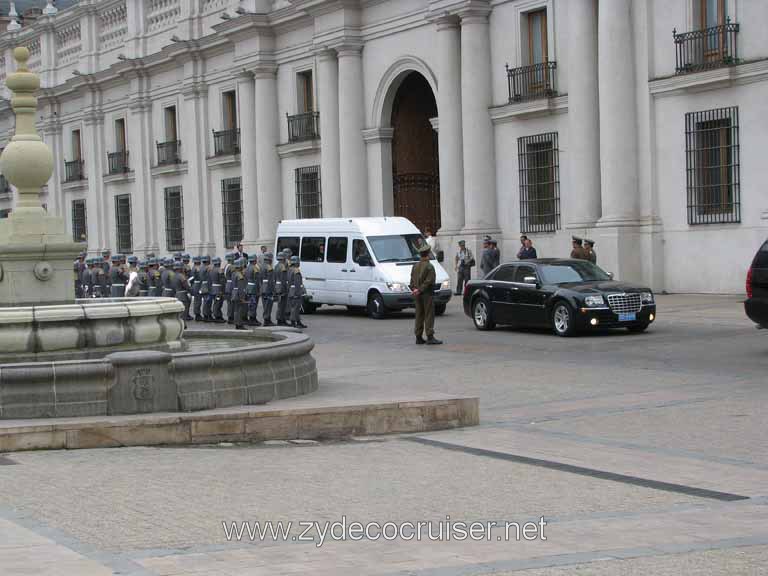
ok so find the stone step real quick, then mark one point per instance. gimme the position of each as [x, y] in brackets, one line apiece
[241, 424]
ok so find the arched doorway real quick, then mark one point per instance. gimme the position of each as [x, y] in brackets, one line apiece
[415, 168]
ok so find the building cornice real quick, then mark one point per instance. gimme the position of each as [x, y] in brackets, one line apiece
[744, 73]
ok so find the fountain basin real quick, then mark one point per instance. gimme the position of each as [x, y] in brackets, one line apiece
[211, 369]
[89, 328]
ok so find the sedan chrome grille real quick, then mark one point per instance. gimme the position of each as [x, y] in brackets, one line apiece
[624, 303]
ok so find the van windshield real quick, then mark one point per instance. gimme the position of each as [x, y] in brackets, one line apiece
[400, 248]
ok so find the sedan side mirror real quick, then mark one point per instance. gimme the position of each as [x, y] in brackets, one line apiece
[440, 256]
[530, 280]
[610, 274]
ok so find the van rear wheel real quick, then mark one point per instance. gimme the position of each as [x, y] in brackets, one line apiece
[440, 309]
[376, 308]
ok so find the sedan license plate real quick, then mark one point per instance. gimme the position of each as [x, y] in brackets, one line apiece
[631, 317]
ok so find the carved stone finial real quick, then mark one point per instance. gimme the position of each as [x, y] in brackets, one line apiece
[13, 25]
[50, 9]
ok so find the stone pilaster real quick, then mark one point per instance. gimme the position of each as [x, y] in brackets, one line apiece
[268, 176]
[247, 111]
[140, 162]
[354, 172]
[330, 159]
[98, 206]
[379, 145]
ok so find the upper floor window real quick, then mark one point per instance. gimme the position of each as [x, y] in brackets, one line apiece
[710, 13]
[535, 78]
[120, 140]
[229, 109]
[305, 92]
[171, 131]
[537, 36]
[712, 41]
[77, 150]
[712, 166]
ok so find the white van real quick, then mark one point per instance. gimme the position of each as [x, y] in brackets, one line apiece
[361, 263]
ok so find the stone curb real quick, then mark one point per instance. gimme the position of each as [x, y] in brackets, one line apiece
[245, 424]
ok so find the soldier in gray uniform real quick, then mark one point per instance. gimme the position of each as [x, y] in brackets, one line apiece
[205, 290]
[217, 289]
[228, 270]
[194, 278]
[85, 279]
[155, 289]
[143, 279]
[177, 281]
[281, 287]
[166, 278]
[80, 268]
[238, 298]
[117, 278]
[296, 292]
[100, 283]
[267, 279]
[253, 288]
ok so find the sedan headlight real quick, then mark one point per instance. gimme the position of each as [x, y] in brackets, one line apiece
[594, 301]
[398, 287]
[647, 297]
[445, 285]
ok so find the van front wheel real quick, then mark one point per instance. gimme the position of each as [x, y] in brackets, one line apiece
[376, 308]
[440, 309]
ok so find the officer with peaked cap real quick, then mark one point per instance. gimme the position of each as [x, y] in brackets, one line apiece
[143, 278]
[267, 279]
[578, 251]
[217, 290]
[117, 278]
[238, 299]
[296, 292]
[205, 289]
[253, 288]
[229, 268]
[423, 288]
[281, 286]
[589, 250]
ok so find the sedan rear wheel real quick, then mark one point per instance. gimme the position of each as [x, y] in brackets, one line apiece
[563, 321]
[481, 315]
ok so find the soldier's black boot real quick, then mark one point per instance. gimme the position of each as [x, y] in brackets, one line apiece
[434, 341]
[240, 327]
[268, 322]
[300, 324]
[420, 340]
[199, 318]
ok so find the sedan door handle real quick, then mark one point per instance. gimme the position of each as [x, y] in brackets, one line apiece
[344, 270]
[351, 270]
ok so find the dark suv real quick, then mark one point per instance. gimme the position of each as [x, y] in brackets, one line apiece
[756, 304]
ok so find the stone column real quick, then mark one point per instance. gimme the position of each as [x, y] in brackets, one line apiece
[618, 120]
[328, 97]
[477, 131]
[583, 195]
[450, 134]
[198, 223]
[52, 137]
[98, 205]
[380, 197]
[246, 111]
[268, 177]
[140, 162]
[354, 170]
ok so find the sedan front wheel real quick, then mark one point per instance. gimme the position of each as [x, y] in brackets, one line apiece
[563, 319]
[481, 315]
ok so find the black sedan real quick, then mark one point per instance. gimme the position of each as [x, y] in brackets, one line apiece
[756, 304]
[566, 295]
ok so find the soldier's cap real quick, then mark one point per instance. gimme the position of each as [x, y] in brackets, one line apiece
[424, 249]
[105, 264]
[106, 253]
[486, 238]
[576, 239]
[240, 262]
[294, 259]
[229, 256]
[152, 261]
[288, 252]
[178, 265]
[216, 261]
[82, 254]
[150, 255]
[143, 264]
[492, 241]
[462, 242]
[588, 241]
[268, 256]
[116, 258]
[205, 260]
[281, 255]
[186, 256]
[252, 257]
[132, 259]
[177, 255]
[196, 260]
[167, 261]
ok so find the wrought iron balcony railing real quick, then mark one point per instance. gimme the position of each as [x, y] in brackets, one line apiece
[532, 82]
[226, 142]
[118, 162]
[706, 49]
[168, 152]
[303, 127]
[73, 171]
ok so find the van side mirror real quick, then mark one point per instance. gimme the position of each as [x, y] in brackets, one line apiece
[364, 261]
[440, 256]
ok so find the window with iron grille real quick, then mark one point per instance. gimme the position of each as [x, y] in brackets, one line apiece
[539, 168]
[232, 210]
[123, 223]
[309, 203]
[174, 219]
[712, 166]
[79, 222]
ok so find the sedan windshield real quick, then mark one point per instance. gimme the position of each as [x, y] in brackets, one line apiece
[400, 248]
[565, 272]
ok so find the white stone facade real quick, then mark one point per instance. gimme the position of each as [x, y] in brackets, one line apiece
[618, 109]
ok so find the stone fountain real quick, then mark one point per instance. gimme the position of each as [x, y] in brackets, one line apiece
[65, 357]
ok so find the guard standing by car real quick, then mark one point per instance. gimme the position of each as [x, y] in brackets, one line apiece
[422, 287]
[296, 292]
[267, 279]
[217, 289]
[463, 264]
[281, 287]
[589, 250]
[253, 287]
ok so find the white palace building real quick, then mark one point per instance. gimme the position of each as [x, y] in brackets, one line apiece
[192, 124]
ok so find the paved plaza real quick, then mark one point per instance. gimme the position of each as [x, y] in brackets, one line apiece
[644, 455]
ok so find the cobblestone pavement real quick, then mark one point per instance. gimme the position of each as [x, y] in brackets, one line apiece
[645, 454]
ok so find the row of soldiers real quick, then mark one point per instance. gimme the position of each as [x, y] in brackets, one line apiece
[202, 284]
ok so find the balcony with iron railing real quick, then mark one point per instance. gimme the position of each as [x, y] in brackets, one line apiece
[73, 171]
[169, 153]
[303, 127]
[532, 82]
[706, 49]
[117, 162]
[226, 142]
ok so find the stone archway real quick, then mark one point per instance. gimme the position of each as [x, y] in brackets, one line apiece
[415, 159]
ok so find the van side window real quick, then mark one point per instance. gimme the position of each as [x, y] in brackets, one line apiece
[337, 249]
[291, 242]
[313, 249]
[359, 249]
